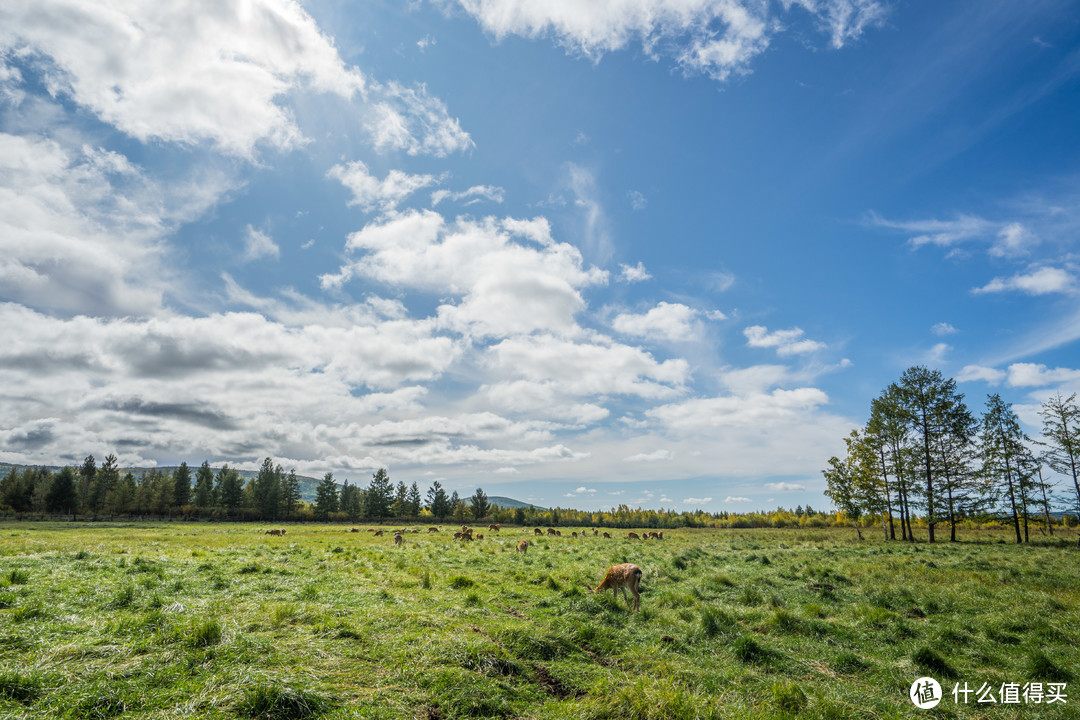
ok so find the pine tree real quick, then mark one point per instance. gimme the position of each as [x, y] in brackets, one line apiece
[86, 480]
[480, 504]
[414, 500]
[401, 504]
[266, 489]
[63, 494]
[1061, 428]
[182, 486]
[379, 498]
[438, 503]
[204, 485]
[326, 497]
[1003, 450]
[230, 489]
[290, 493]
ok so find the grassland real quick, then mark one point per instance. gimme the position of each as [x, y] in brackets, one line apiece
[187, 620]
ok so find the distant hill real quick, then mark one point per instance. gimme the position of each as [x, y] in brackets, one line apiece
[505, 502]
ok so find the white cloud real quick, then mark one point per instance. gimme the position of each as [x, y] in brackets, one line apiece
[258, 244]
[988, 375]
[714, 37]
[1038, 375]
[942, 329]
[1038, 281]
[637, 200]
[81, 229]
[475, 194]
[786, 342]
[183, 72]
[510, 275]
[637, 273]
[936, 354]
[370, 193]
[654, 456]
[757, 410]
[699, 501]
[784, 487]
[734, 499]
[1005, 239]
[411, 120]
[425, 42]
[674, 322]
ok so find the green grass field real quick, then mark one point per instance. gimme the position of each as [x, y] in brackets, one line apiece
[188, 620]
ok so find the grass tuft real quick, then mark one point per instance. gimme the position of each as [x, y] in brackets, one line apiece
[929, 660]
[280, 702]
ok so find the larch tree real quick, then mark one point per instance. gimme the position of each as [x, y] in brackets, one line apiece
[1061, 431]
[1003, 446]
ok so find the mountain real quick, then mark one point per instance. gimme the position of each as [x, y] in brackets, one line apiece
[506, 502]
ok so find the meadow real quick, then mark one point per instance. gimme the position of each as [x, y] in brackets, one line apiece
[199, 620]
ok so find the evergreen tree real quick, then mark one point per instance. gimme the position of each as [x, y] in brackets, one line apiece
[457, 508]
[480, 504]
[266, 489]
[204, 485]
[290, 493]
[86, 480]
[230, 490]
[438, 503]
[63, 495]
[379, 498]
[415, 501]
[104, 479]
[352, 501]
[121, 498]
[182, 486]
[326, 497]
[401, 504]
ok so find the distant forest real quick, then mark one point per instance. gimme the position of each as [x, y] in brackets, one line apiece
[924, 451]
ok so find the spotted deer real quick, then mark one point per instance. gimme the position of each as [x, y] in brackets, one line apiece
[621, 577]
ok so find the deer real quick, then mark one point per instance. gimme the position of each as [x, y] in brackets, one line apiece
[494, 526]
[433, 529]
[398, 539]
[523, 547]
[607, 535]
[538, 531]
[378, 533]
[621, 577]
[479, 536]
[632, 536]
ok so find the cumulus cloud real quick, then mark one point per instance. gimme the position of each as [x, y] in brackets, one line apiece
[636, 273]
[988, 375]
[408, 119]
[1038, 375]
[219, 81]
[1037, 281]
[667, 321]
[784, 487]
[370, 193]
[735, 499]
[758, 409]
[786, 342]
[700, 501]
[713, 37]
[510, 275]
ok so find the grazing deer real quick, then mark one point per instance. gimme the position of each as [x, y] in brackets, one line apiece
[573, 534]
[607, 535]
[523, 547]
[660, 535]
[355, 530]
[378, 533]
[551, 531]
[632, 536]
[621, 577]
[595, 532]
[538, 531]
[494, 526]
[479, 536]
[433, 529]
[398, 539]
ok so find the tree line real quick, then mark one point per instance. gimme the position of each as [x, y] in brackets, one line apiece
[922, 450]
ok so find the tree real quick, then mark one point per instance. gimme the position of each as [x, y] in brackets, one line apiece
[86, 479]
[122, 496]
[457, 508]
[438, 502]
[480, 504]
[414, 500]
[379, 498]
[230, 490]
[401, 504]
[1003, 448]
[929, 401]
[326, 497]
[841, 488]
[290, 493]
[351, 501]
[267, 489]
[888, 424]
[63, 494]
[1061, 428]
[204, 485]
[182, 486]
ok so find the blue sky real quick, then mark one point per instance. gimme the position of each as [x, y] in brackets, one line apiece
[655, 252]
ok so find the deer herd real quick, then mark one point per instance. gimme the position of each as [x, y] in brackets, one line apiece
[625, 576]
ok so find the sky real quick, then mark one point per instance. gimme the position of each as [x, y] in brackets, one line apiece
[582, 253]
